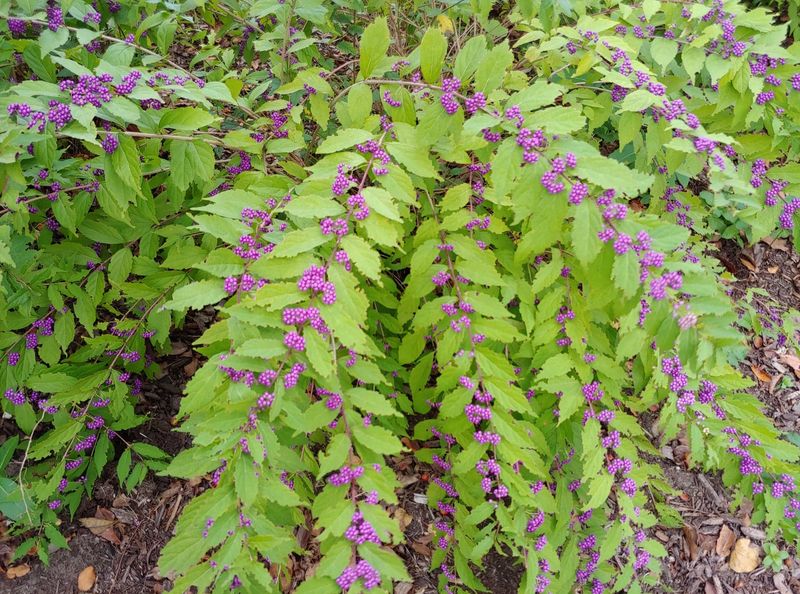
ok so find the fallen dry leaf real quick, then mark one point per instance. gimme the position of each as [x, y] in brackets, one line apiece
[761, 374]
[422, 549]
[725, 541]
[403, 518]
[87, 578]
[97, 525]
[792, 361]
[772, 269]
[747, 264]
[710, 588]
[690, 535]
[17, 571]
[745, 556]
[191, 367]
[776, 244]
[102, 525]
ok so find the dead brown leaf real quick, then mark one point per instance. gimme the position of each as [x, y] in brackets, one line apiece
[191, 367]
[690, 537]
[17, 571]
[772, 269]
[745, 556]
[422, 549]
[710, 588]
[748, 264]
[725, 541]
[760, 374]
[102, 525]
[792, 361]
[97, 525]
[403, 518]
[776, 244]
[87, 578]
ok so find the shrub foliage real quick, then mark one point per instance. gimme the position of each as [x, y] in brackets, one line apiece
[479, 235]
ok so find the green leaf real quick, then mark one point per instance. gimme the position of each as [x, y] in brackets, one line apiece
[377, 439]
[381, 202]
[557, 120]
[371, 401]
[456, 197]
[693, 59]
[363, 256]
[493, 68]
[599, 488]
[413, 157]
[124, 466]
[125, 162]
[609, 173]
[586, 224]
[343, 139]
[50, 40]
[317, 207]
[470, 57]
[335, 454]
[432, 51]
[373, 47]
[626, 273]
[297, 242]
[196, 295]
[359, 103]
[120, 266]
[537, 95]
[190, 161]
[186, 118]
[663, 51]
[12, 505]
[246, 481]
[318, 353]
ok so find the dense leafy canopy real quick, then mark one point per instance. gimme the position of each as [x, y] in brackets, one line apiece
[492, 243]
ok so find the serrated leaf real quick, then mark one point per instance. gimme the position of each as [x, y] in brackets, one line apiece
[432, 50]
[626, 273]
[373, 46]
[343, 139]
[245, 481]
[196, 295]
[190, 161]
[363, 256]
[300, 241]
[377, 439]
[186, 118]
[586, 224]
[335, 454]
[318, 353]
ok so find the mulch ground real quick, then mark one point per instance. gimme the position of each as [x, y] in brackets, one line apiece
[128, 530]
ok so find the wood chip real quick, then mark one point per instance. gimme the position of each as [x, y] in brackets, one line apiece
[710, 588]
[725, 541]
[17, 571]
[780, 583]
[754, 533]
[745, 556]
[86, 579]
